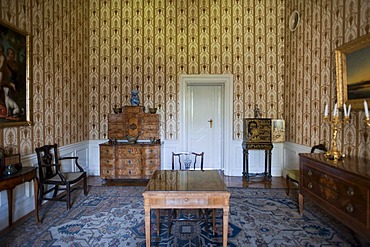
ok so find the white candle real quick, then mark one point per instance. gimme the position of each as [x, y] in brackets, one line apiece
[349, 110]
[335, 110]
[345, 109]
[326, 110]
[366, 108]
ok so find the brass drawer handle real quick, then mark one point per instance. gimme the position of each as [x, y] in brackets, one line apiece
[309, 173]
[350, 191]
[350, 208]
[309, 185]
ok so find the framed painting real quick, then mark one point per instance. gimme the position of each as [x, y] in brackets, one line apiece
[278, 130]
[14, 77]
[352, 72]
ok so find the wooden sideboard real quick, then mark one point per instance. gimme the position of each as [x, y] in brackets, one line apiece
[120, 159]
[123, 160]
[342, 188]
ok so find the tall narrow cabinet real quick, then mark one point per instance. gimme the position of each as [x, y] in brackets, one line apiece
[120, 159]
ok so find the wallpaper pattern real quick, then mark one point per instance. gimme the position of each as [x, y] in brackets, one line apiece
[146, 45]
[310, 80]
[87, 56]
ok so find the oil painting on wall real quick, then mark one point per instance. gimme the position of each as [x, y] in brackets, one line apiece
[353, 74]
[14, 83]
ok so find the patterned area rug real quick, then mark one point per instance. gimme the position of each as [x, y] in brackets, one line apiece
[114, 216]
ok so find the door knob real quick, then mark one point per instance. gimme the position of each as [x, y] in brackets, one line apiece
[210, 123]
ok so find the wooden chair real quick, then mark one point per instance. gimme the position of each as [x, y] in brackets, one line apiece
[189, 161]
[53, 175]
[293, 175]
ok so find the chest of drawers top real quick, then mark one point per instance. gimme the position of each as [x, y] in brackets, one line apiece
[354, 166]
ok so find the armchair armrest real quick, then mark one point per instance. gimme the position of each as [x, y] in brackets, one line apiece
[76, 162]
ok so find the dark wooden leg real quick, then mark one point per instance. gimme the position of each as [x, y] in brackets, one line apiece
[300, 199]
[68, 195]
[247, 164]
[269, 165]
[36, 192]
[287, 185]
[266, 162]
[10, 206]
[85, 185]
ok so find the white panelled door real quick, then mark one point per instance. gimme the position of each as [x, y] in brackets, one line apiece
[204, 121]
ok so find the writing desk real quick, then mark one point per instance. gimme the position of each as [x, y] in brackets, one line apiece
[9, 182]
[169, 189]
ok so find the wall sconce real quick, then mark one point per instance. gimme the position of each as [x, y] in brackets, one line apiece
[334, 153]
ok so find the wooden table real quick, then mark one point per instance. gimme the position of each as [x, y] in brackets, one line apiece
[9, 182]
[168, 189]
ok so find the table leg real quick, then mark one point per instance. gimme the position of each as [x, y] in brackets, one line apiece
[36, 192]
[225, 226]
[10, 206]
[147, 225]
[300, 199]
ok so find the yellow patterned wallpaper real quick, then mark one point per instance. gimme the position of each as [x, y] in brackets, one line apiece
[310, 71]
[146, 45]
[89, 55]
[59, 38]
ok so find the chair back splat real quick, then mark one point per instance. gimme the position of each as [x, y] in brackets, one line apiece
[187, 161]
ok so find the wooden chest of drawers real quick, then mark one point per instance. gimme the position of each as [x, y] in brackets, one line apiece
[129, 161]
[341, 188]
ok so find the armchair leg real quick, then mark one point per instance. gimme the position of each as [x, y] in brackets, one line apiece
[41, 193]
[56, 188]
[68, 196]
[85, 185]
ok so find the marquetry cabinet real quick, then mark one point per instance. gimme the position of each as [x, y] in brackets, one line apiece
[342, 188]
[120, 159]
[133, 121]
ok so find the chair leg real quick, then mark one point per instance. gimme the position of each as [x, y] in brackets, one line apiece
[287, 185]
[85, 185]
[56, 189]
[41, 193]
[68, 196]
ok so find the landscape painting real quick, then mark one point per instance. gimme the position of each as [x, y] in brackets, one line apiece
[352, 72]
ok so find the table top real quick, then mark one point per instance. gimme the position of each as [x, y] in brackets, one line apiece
[24, 170]
[186, 180]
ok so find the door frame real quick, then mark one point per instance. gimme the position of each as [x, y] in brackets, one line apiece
[226, 80]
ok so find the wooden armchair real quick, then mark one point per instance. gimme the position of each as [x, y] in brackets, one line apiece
[52, 176]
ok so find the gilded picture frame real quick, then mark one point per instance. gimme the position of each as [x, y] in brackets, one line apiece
[15, 90]
[352, 72]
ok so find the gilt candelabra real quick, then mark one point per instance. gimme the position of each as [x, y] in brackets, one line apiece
[335, 121]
